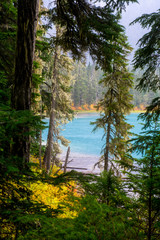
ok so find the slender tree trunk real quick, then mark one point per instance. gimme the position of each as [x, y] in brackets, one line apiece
[21, 98]
[149, 216]
[40, 149]
[49, 147]
[150, 201]
[106, 156]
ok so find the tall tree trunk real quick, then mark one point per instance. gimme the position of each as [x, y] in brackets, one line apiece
[108, 136]
[49, 147]
[21, 98]
[106, 155]
[150, 199]
[40, 149]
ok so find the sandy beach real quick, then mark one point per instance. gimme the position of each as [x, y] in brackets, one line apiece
[81, 162]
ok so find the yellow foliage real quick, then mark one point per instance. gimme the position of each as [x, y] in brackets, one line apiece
[55, 196]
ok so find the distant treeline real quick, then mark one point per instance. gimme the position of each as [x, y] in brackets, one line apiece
[86, 90]
[85, 85]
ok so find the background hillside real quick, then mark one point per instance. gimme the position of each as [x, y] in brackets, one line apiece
[86, 90]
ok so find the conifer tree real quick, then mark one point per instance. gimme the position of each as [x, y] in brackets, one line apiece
[89, 27]
[79, 91]
[115, 104]
[25, 46]
[60, 110]
[147, 57]
[8, 15]
[85, 87]
[145, 177]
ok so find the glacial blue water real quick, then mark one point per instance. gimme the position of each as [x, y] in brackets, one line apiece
[85, 142]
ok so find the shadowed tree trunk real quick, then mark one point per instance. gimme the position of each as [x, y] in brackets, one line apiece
[25, 45]
[150, 197]
[49, 147]
[106, 154]
[108, 136]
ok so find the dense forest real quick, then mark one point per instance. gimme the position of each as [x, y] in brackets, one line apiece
[43, 74]
[86, 90]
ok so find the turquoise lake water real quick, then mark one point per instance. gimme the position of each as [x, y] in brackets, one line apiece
[82, 140]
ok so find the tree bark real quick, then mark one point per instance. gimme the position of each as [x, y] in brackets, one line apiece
[150, 199]
[40, 149]
[49, 147]
[25, 45]
[106, 156]
[107, 150]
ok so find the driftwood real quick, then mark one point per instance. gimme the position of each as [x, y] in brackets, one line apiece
[66, 162]
[77, 168]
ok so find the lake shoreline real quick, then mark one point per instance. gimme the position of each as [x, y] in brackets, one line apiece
[85, 144]
[81, 162]
[93, 111]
